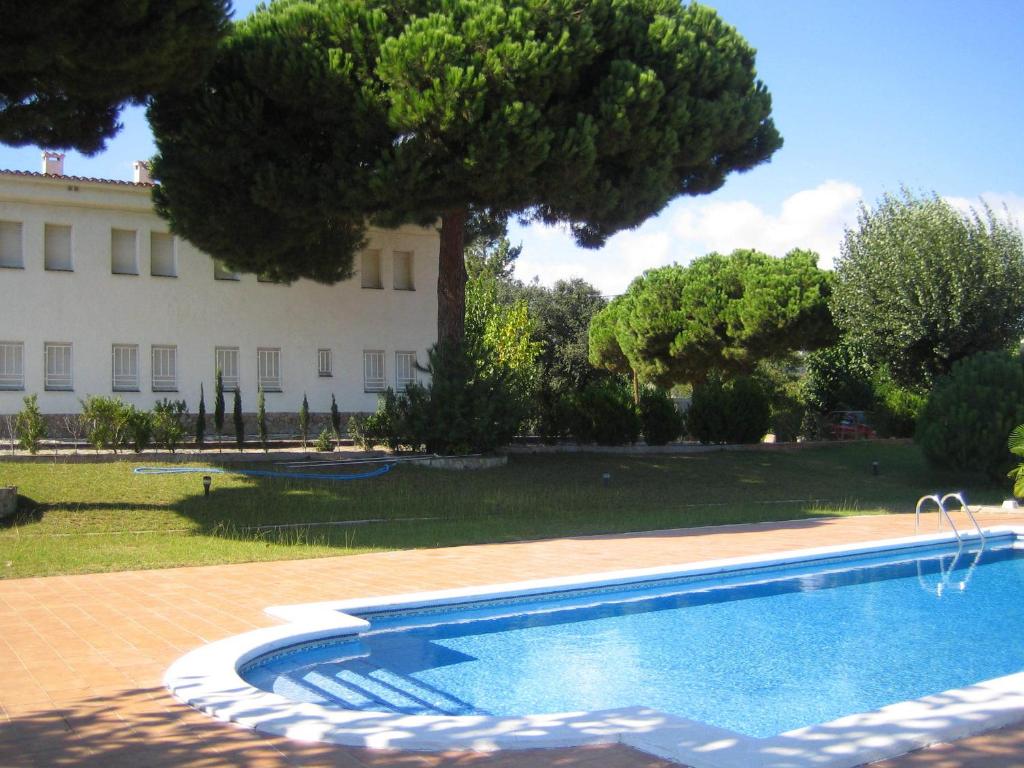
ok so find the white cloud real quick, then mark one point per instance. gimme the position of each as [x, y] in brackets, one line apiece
[813, 218]
[1001, 203]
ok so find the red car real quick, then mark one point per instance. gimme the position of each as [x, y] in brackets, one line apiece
[848, 425]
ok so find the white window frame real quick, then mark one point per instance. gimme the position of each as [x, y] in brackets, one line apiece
[155, 237]
[268, 368]
[57, 262]
[374, 375]
[397, 257]
[122, 269]
[324, 362]
[58, 366]
[124, 367]
[12, 249]
[365, 275]
[164, 367]
[405, 370]
[12, 365]
[221, 357]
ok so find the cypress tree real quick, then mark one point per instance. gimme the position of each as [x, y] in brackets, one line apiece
[239, 421]
[201, 419]
[218, 407]
[261, 419]
[304, 420]
[335, 418]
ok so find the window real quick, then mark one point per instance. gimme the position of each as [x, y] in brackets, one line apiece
[226, 361]
[323, 364]
[220, 272]
[10, 245]
[12, 365]
[125, 364]
[161, 255]
[165, 368]
[373, 370]
[403, 271]
[405, 370]
[57, 247]
[123, 259]
[58, 366]
[371, 269]
[269, 364]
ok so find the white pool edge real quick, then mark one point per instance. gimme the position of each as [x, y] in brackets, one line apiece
[207, 679]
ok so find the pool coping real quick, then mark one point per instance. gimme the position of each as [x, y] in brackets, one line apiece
[208, 680]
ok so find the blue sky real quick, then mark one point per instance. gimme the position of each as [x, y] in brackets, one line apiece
[868, 94]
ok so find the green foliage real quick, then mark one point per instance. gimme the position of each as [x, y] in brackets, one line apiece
[603, 412]
[1016, 445]
[969, 412]
[201, 419]
[357, 431]
[335, 418]
[218, 407]
[304, 419]
[896, 408]
[839, 378]
[660, 420]
[325, 442]
[106, 421]
[139, 429]
[736, 411]
[29, 425]
[921, 285]
[721, 313]
[239, 420]
[168, 425]
[261, 420]
[589, 115]
[69, 67]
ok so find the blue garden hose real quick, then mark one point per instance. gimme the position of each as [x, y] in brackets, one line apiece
[262, 473]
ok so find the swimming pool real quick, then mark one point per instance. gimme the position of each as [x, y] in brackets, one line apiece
[833, 656]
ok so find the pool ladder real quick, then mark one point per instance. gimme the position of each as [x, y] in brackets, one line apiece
[944, 513]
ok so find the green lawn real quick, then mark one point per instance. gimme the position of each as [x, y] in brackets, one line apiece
[101, 517]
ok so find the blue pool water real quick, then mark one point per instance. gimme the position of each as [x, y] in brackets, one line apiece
[760, 653]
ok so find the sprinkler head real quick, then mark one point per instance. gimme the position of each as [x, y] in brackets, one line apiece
[606, 479]
[206, 484]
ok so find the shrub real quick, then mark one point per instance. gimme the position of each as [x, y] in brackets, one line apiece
[969, 412]
[660, 419]
[29, 425]
[106, 420]
[603, 413]
[201, 419]
[324, 442]
[737, 411]
[218, 406]
[1016, 445]
[139, 429]
[335, 418]
[304, 420]
[168, 429]
[261, 420]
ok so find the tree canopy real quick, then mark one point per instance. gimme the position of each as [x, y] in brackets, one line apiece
[319, 118]
[67, 67]
[922, 285]
[719, 314]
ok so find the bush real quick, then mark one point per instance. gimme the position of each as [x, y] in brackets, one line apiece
[737, 411]
[106, 421]
[970, 411]
[659, 418]
[236, 415]
[29, 425]
[139, 429]
[603, 413]
[168, 429]
[324, 443]
[896, 409]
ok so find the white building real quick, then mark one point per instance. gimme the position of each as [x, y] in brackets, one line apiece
[96, 297]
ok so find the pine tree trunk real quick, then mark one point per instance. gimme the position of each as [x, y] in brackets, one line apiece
[451, 278]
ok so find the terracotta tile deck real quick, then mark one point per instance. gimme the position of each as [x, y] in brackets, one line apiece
[83, 656]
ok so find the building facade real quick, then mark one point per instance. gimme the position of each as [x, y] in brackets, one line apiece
[98, 298]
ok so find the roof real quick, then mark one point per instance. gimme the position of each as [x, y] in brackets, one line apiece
[38, 175]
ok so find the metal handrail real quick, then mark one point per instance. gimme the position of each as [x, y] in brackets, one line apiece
[942, 513]
[959, 496]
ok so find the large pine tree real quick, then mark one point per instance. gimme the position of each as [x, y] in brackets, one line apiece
[320, 118]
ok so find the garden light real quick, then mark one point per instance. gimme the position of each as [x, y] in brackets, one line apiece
[206, 484]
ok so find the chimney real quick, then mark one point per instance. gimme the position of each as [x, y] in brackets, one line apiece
[53, 163]
[141, 168]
